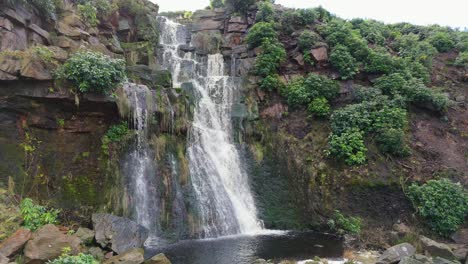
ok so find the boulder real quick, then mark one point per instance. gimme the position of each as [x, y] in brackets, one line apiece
[396, 253]
[439, 260]
[118, 233]
[10, 64]
[132, 256]
[47, 243]
[15, 242]
[41, 32]
[299, 58]
[461, 236]
[416, 259]
[5, 23]
[320, 54]
[436, 249]
[237, 27]
[86, 235]
[158, 259]
[96, 252]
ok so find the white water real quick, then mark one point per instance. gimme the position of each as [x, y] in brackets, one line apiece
[224, 200]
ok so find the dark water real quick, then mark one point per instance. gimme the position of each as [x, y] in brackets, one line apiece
[246, 249]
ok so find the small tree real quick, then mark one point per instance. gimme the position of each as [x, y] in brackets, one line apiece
[216, 4]
[344, 62]
[349, 146]
[260, 32]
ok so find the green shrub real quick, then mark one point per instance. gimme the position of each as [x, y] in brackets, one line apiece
[345, 225]
[462, 59]
[93, 72]
[115, 134]
[260, 32]
[305, 16]
[36, 216]
[352, 116]
[385, 117]
[216, 4]
[380, 61]
[45, 7]
[79, 259]
[349, 146]
[319, 107]
[339, 32]
[296, 93]
[374, 32]
[321, 86]
[265, 13]
[442, 41]
[240, 6]
[344, 62]
[392, 141]
[270, 58]
[271, 83]
[391, 84]
[410, 46]
[88, 14]
[442, 203]
[307, 40]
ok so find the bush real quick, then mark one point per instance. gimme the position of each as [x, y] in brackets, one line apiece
[319, 107]
[307, 40]
[216, 4]
[442, 203]
[36, 216]
[392, 141]
[391, 84]
[352, 116]
[270, 58]
[344, 62]
[321, 86]
[79, 259]
[296, 93]
[345, 225]
[339, 32]
[442, 41]
[93, 72]
[462, 59]
[241, 6]
[265, 13]
[349, 146]
[305, 16]
[409, 46]
[88, 14]
[271, 83]
[115, 134]
[380, 61]
[45, 7]
[259, 33]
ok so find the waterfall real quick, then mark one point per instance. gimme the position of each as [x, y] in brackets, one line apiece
[220, 183]
[139, 165]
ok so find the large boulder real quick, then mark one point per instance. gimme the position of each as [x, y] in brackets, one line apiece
[47, 243]
[436, 249]
[461, 236]
[118, 233]
[158, 259]
[320, 54]
[396, 253]
[15, 242]
[132, 256]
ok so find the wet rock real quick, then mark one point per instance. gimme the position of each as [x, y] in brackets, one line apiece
[118, 233]
[132, 256]
[86, 235]
[158, 259]
[436, 249]
[207, 42]
[15, 242]
[48, 243]
[396, 253]
[461, 236]
[320, 54]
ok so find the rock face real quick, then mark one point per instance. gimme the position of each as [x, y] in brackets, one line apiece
[132, 256]
[48, 243]
[436, 249]
[396, 253]
[320, 54]
[158, 259]
[15, 242]
[118, 233]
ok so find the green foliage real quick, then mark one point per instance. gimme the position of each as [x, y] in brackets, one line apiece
[305, 16]
[344, 62]
[93, 72]
[392, 141]
[88, 14]
[380, 61]
[345, 225]
[271, 56]
[216, 4]
[374, 32]
[79, 259]
[442, 203]
[115, 134]
[410, 46]
[339, 32]
[43, 53]
[265, 13]
[349, 146]
[301, 91]
[271, 83]
[442, 41]
[240, 6]
[319, 107]
[46, 8]
[462, 59]
[35, 216]
[307, 40]
[260, 32]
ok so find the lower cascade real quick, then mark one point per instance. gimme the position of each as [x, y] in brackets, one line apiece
[221, 185]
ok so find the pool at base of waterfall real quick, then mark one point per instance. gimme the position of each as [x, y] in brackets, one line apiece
[245, 249]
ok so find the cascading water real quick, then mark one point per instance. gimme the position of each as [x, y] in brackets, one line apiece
[220, 183]
[138, 164]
